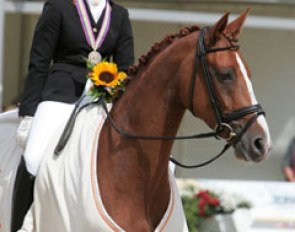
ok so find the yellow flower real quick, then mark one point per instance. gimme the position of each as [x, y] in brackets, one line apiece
[107, 81]
[106, 74]
[121, 76]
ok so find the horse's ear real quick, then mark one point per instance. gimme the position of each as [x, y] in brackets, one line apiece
[218, 28]
[234, 28]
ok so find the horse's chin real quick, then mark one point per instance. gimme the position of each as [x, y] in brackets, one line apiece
[254, 144]
[248, 152]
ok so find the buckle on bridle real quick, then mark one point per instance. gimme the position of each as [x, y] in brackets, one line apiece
[224, 131]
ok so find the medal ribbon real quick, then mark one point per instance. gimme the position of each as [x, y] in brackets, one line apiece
[87, 28]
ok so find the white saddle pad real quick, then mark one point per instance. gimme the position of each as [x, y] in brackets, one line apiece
[10, 155]
[67, 197]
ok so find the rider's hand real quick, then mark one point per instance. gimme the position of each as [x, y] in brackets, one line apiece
[23, 131]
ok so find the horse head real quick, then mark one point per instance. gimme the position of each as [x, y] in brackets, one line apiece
[221, 91]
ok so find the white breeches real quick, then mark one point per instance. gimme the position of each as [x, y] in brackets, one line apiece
[49, 117]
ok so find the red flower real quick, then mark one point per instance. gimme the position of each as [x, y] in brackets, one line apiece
[202, 206]
[207, 203]
[214, 201]
[202, 212]
[202, 194]
[202, 203]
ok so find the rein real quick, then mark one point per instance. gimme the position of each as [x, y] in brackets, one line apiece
[127, 135]
[222, 120]
[197, 136]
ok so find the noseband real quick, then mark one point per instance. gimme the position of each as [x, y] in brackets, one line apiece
[223, 130]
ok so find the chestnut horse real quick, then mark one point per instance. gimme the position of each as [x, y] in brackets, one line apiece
[154, 104]
[199, 70]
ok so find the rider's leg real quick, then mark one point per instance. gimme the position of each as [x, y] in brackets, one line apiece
[49, 117]
[22, 196]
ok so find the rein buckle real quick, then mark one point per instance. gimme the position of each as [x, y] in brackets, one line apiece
[224, 132]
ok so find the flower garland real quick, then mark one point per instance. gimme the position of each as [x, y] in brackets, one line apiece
[106, 80]
[208, 203]
[199, 204]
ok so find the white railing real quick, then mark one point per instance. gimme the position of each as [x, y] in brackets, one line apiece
[173, 16]
[155, 15]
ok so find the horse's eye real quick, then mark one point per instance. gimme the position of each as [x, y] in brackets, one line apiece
[224, 76]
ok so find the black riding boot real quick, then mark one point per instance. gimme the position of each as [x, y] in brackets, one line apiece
[22, 197]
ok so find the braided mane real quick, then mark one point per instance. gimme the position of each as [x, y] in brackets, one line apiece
[155, 49]
[159, 46]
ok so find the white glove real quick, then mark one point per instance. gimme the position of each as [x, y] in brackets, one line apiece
[23, 131]
[88, 85]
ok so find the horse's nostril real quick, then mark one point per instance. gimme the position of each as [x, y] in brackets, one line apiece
[259, 146]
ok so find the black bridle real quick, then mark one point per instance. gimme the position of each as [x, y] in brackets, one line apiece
[223, 126]
[222, 120]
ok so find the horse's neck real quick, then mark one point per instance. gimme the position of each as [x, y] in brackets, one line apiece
[133, 173]
[151, 106]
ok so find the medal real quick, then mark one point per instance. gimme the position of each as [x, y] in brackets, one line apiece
[94, 57]
[95, 2]
[93, 41]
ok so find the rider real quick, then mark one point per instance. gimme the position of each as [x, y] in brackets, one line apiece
[289, 162]
[56, 77]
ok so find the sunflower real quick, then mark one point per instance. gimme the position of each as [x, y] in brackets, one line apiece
[106, 74]
[107, 81]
